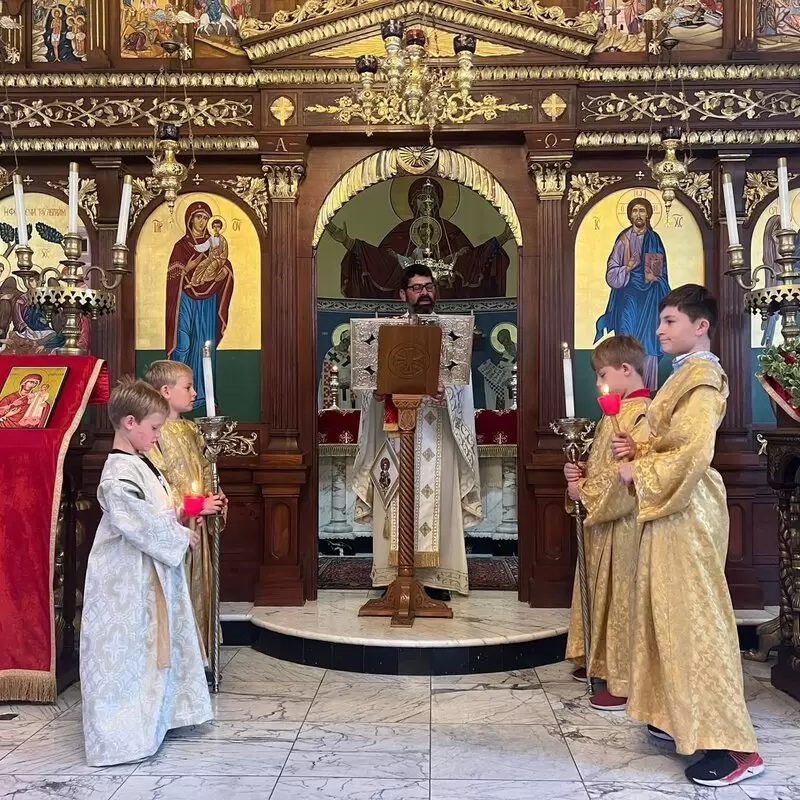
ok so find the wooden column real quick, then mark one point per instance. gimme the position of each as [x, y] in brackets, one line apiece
[555, 297]
[283, 179]
[107, 338]
[281, 576]
[733, 336]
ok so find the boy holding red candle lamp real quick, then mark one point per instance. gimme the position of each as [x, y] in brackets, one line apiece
[610, 527]
[179, 455]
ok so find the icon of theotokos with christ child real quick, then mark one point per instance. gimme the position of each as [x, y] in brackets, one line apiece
[376, 272]
[199, 291]
[637, 274]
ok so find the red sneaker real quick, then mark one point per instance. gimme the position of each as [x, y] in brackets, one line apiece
[605, 701]
[725, 767]
[579, 675]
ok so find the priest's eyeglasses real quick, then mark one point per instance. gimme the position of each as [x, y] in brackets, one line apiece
[417, 288]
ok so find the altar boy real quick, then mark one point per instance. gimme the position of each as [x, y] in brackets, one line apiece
[686, 670]
[611, 532]
[141, 668]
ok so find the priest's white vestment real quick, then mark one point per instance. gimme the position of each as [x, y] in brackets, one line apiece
[141, 667]
[447, 488]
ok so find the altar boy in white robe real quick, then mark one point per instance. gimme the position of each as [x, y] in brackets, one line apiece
[141, 667]
[447, 487]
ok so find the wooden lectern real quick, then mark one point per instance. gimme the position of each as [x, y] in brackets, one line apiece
[408, 369]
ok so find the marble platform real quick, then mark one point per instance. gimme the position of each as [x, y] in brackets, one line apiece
[291, 732]
[490, 631]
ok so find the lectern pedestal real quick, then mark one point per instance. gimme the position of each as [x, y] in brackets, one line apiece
[405, 598]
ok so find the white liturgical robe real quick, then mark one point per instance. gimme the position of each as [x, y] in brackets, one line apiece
[141, 667]
[447, 492]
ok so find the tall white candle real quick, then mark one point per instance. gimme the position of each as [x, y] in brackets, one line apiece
[19, 201]
[569, 390]
[72, 220]
[783, 194]
[730, 210]
[208, 381]
[124, 210]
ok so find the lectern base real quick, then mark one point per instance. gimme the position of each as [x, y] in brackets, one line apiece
[405, 599]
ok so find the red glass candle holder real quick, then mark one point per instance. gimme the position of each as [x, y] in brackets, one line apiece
[610, 404]
[193, 504]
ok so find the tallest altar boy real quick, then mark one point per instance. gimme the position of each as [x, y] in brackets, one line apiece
[447, 492]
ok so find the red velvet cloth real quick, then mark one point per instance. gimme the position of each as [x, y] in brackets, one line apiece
[31, 473]
[496, 427]
[338, 426]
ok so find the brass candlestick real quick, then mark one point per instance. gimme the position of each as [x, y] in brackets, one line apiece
[70, 295]
[575, 431]
[219, 439]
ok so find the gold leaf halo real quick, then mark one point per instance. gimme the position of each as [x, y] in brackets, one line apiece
[416, 160]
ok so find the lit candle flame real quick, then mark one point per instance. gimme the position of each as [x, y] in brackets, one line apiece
[195, 490]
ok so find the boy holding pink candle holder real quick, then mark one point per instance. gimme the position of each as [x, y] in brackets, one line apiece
[610, 527]
[179, 455]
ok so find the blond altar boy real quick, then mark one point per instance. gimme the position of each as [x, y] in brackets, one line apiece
[686, 670]
[611, 532]
[179, 456]
[141, 668]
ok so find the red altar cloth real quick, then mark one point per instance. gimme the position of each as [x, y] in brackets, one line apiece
[31, 474]
[338, 426]
[496, 427]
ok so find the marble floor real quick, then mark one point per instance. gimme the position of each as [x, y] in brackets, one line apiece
[289, 732]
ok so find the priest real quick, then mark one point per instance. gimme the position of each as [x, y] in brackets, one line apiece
[447, 493]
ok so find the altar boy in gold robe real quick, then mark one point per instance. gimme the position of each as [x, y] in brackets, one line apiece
[686, 670]
[611, 531]
[179, 456]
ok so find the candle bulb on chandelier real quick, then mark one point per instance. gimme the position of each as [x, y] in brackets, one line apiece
[569, 390]
[19, 202]
[124, 210]
[72, 221]
[783, 195]
[730, 210]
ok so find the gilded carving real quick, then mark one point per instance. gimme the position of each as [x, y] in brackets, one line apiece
[728, 105]
[757, 185]
[128, 144]
[583, 186]
[282, 109]
[11, 48]
[568, 40]
[550, 176]
[599, 139]
[283, 180]
[143, 192]
[107, 112]
[456, 111]
[448, 164]
[87, 195]
[554, 106]
[5, 178]
[253, 191]
[585, 22]
[697, 185]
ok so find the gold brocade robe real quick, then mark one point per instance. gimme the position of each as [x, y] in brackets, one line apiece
[686, 671]
[179, 456]
[611, 538]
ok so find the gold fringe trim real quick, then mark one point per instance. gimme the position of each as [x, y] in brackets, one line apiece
[28, 686]
[420, 559]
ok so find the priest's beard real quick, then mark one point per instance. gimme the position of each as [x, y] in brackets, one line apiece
[424, 305]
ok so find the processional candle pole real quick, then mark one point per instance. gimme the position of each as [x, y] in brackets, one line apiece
[575, 431]
[219, 439]
[70, 294]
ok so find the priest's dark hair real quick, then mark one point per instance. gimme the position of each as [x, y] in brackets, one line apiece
[696, 302]
[416, 271]
[134, 398]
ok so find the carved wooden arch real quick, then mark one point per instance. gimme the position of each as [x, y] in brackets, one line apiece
[443, 163]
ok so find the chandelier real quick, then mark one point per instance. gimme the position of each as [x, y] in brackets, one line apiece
[418, 89]
[426, 233]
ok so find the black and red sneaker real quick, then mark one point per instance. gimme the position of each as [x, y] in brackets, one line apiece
[579, 675]
[725, 767]
[657, 733]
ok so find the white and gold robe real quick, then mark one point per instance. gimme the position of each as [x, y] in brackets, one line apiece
[447, 493]
[140, 663]
[686, 669]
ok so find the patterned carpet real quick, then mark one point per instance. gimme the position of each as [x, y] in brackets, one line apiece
[352, 572]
